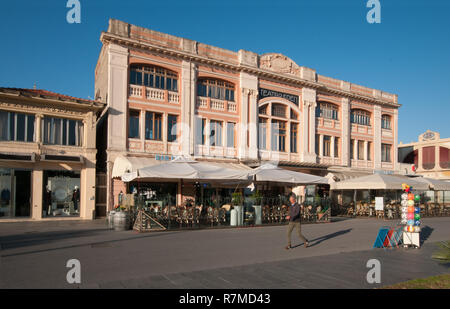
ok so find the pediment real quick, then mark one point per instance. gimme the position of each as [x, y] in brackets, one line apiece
[279, 63]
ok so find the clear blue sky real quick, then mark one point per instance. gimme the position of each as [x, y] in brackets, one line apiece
[407, 54]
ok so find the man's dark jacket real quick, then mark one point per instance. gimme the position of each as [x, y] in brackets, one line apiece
[294, 213]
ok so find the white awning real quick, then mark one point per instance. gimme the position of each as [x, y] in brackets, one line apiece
[378, 182]
[435, 184]
[273, 173]
[124, 165]
[182, 168]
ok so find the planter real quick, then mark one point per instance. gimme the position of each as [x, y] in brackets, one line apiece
[240, 215]
[121, 221]
[258, 214]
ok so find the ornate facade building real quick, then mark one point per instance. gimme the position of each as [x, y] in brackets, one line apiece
[430, 155]
[47, 155]
[171, 96]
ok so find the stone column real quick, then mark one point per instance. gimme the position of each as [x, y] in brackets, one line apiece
[253, 125]
[37, 196]
[38, 132]
[243, 124]
[188, 97]
[395, 135]
[142, 129]
[345, 135]
[377, 136]
[309, 111]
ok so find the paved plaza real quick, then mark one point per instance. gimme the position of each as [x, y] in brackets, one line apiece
[34, 255]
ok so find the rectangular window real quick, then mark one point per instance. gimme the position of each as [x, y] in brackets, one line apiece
[360, 150]
[59, 131]
[133, 124]
[369, 150]
[294, 137]
[16, 127]
[203, 131]
[153, 126]
[352, 149]
[385, 153]
[172, 128]
[230, 134]
[215, 133]
[327, 146]
[262, 134]
[336, 147]
[278, 135]
[317, 143]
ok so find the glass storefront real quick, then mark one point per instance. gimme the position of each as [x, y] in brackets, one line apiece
[15, 193]
[61, 195]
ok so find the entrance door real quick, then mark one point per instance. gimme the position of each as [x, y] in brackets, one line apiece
[22, 193]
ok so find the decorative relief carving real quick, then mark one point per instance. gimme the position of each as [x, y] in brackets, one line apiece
[279, 63]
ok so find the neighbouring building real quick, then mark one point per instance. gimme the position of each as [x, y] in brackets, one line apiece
[47, 155]
[170, 96]
[430, 155]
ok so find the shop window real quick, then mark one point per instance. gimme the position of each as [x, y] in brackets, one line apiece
[153, 125]
[15, 193]
[231, 127]
[16, 127]
[133, 124]
[62, 192]
[60, 131]
[215, 89]
[172, 128]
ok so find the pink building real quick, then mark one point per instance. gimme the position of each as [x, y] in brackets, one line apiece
[172, 96]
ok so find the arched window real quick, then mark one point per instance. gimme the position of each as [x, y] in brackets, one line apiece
[327, 110]
[386, 122]
[215, 89]
[154, 77]
[360, 116]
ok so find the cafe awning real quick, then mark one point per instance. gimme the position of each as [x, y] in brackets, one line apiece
[378, 182]
[184, 168]
[435, 184]
[273, 173]
[123, 165]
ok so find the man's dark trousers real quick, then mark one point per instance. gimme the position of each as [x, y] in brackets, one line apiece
[294, 222]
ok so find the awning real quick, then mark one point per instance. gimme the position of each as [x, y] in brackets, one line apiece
[378, 182]
[273, 173]
[335, 176]
[123, 165]
[184, 168]
[435, 184]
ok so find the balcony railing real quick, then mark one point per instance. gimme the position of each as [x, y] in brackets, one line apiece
[155, 94]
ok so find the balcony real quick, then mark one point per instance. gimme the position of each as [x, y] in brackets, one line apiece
[206, 103]
[153, 94]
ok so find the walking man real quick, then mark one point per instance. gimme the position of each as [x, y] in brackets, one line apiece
[294, 221]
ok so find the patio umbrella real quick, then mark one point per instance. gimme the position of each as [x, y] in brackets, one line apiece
[378, 182]
[435, 184]
[273, 173]
[183, 168]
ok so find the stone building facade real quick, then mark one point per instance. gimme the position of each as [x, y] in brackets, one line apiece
[170, 96]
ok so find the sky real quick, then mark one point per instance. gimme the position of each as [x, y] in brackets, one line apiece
[408, 53]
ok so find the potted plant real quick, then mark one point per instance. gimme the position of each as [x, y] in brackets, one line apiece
[257, 199]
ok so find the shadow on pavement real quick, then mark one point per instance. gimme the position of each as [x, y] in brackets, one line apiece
[316, 241]
[425, 233]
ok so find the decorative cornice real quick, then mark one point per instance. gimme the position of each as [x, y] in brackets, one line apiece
[107, 38]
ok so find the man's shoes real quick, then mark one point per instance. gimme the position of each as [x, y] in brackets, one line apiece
[288, 247]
